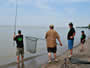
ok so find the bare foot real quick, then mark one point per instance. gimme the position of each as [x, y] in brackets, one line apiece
[18, 62]
[81, 50]
[18, 65]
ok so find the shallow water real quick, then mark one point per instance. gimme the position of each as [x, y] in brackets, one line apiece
[8, 49]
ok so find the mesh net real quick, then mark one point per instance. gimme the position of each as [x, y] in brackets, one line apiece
[31, 43]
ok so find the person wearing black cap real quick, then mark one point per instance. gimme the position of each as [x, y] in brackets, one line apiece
[70, 38]
[20, 45]
[83, 37]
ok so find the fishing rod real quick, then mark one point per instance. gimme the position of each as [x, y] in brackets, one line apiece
[15, 25]
[15, 22]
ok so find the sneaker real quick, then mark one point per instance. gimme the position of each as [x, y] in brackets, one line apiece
[69, 56]
[56, 60]
[49, 61]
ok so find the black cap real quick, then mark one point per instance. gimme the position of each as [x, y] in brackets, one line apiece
[19, 31]
[82, 31]
[71, 23]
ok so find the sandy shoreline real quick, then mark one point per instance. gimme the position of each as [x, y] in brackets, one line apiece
[85, 56]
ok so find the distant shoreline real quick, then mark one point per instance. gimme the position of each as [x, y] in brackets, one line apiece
[83, 27]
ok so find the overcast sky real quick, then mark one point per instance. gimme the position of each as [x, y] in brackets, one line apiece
[45, 12]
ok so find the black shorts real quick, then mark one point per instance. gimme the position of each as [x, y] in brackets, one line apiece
[82, 41]
[52, 50]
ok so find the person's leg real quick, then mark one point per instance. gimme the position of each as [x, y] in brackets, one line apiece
[70, 46]
[54, 55]
[22, 55]
[22, 59]
[71, 49]
[18, 54]
[18, 59]
[71, 52]
[18, 65]
[49, 56]
[81, 46]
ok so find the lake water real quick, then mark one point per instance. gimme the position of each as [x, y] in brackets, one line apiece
[8, 49]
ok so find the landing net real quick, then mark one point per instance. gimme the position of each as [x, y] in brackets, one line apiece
[31, 44]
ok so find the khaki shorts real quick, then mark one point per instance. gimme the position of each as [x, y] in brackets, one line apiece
[20, 51]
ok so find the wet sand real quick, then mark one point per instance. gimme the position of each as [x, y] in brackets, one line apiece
[82, 55]
[42, 61]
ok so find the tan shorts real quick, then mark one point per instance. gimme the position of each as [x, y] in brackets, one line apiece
[20, 51]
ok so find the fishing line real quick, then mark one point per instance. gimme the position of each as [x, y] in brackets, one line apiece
[15, 26]
[15, 22]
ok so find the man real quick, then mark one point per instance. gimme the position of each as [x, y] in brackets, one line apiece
[83, 39]
[70, 38]
[20, 46]
[51, 37]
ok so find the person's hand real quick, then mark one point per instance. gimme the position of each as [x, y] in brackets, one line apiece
[14, 34]
[60, 44]
[83, 40]
[71, 37]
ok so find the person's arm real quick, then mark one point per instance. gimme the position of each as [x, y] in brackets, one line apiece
[84, 37]
[73, 34]
[58, 38]
[14, 37]
[60, 42]
[46, 36]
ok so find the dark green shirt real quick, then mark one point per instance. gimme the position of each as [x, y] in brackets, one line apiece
[83, 37]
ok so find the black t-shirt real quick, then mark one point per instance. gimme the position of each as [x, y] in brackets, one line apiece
[19, 41]
[70, 33]
[83, 37]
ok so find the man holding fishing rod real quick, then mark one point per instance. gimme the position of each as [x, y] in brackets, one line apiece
[51, 37]
[20, 46]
